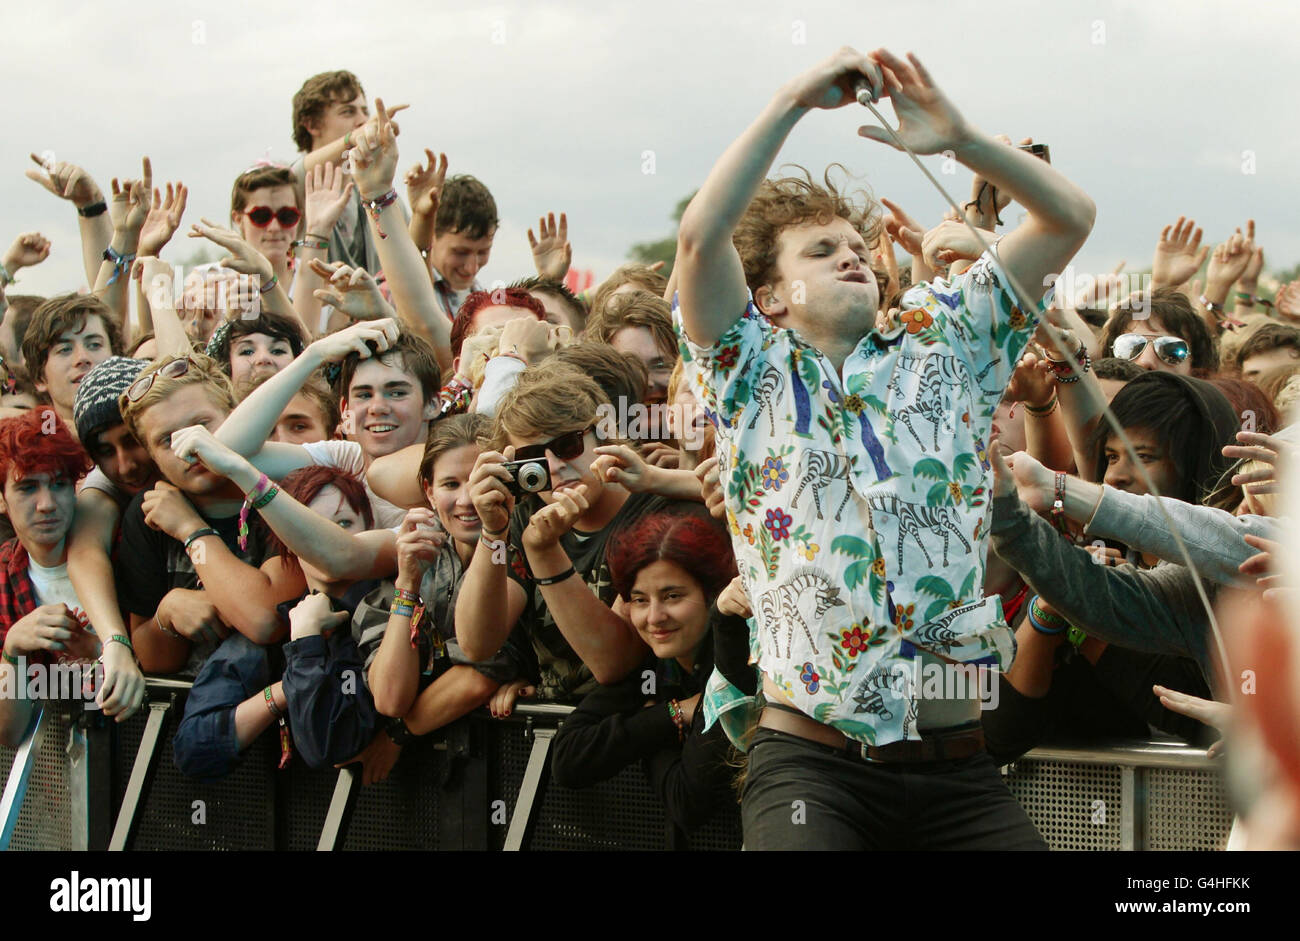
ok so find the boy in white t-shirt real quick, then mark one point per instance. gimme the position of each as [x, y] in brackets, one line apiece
[40, 617]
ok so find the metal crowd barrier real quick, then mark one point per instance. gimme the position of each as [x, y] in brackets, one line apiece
[80, 781]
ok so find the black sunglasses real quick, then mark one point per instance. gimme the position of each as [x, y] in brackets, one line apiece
[566, 447]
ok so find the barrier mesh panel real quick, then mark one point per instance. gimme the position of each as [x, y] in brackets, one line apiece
[236, 813]
[621, 813]
[1187, 810]
[1074, 807]
[45, 821]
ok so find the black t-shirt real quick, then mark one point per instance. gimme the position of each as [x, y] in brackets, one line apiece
[150, 563]
[562, 674]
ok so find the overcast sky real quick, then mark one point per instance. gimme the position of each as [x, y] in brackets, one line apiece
[1154, 108]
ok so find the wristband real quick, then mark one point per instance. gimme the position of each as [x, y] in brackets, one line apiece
[123, 640]
[312, 242]
[261, 494]
[1042, 410]
[1245, 298]
[403, 609]
[400, 732]
[1210, 305]
[347, 141]
[555, 579]
[94, 209]
[269, 286]
[12, 659]
[1044, 618]
[199, 534]
[120, 262]
[1042, 628]
[378, 205]
[286, 746]
[401, 594]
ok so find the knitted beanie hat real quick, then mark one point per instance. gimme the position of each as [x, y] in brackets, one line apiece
[95, 406]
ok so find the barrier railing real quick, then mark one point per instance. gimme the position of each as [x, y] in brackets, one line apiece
[485, 784]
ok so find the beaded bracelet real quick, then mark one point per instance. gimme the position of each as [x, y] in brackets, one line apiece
[378, 205]
[678, 715]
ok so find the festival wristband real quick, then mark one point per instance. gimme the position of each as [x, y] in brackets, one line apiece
[377, 205]
[93, 210]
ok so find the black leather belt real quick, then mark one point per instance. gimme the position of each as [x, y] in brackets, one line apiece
[951, 744]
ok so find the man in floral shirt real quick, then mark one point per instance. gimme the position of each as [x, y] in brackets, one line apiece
[855, 470]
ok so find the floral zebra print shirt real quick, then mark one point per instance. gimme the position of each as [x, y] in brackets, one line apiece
[858, 508]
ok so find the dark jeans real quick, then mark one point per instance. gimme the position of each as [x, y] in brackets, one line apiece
[800, 795]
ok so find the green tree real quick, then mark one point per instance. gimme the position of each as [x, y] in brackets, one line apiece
[664, 249]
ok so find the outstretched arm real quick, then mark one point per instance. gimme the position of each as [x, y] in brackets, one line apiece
[246, 429]
[408, 276]
[69, 181]
[711, 283]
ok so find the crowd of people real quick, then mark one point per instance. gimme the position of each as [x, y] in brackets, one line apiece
[733, 514]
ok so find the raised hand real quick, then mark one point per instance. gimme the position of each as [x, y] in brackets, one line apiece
[163, 220]
[374, 154]
[418, 541]
[28, 249]
[950, 241]
[1228, 263]
[927, 121]
[1274, 452]
[1287, 302]
[326, 196]
[366, 339]
[1250, 276]
[351, 290]
[833, 82]
[1032, 381]
[157, 278]
[902, 228]
[130, 203]
[424, 184]
[528, 338]
[1178, 255]
[66, 181]
[552, 253]
[243, 258]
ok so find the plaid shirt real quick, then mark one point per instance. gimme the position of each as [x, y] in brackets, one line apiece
[17, 593]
